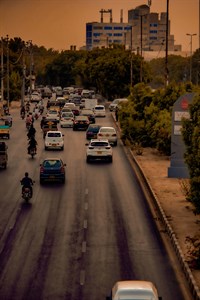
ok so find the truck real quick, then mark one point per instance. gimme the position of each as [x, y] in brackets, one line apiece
[90, 103]
[4, 129]
[134, 290]
[3, 155]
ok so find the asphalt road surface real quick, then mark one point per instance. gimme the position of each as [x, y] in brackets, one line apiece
[75, 240]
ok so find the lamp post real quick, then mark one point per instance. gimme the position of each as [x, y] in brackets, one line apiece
[8, 75]
[191, 36]
[2, 71]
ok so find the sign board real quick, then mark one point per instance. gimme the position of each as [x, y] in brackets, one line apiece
[178, 167]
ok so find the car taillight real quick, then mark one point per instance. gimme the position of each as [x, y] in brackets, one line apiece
[41, 169]
[107, 147]
[100, 134]
[62, 169]
[90, 147]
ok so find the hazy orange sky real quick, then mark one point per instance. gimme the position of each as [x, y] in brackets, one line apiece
[58, 24]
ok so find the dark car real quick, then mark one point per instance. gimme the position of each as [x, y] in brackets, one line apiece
[89, 113]
[92, 131]
[52, 169]
[75, 111]
[81, 123]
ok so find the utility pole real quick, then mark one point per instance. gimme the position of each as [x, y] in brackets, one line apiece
[23, 77]
[2, 72]
[166, 46]
[8, 71]
[191, 35]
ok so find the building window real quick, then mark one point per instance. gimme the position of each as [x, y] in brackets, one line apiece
[96, 34]
[153, 31]
[117, 34]
[118, 28]
[117, 41]
[98, 27]
[96, 41]
[153, 25]
[108, 28]
[109, 34]
[153, 38]
[89, 34]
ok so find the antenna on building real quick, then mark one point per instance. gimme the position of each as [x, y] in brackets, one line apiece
[149, 3]
[102, 11]
[121, 16]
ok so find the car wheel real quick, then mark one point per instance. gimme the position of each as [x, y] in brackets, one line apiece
[41, 181]
[115, 144]
[74, 128]
[110, 159]
[87, 159]
[62, 148]
[45, 148]
[63, 180]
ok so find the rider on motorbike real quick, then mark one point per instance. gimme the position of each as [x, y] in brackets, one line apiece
[31, 132]
[22, 111]
[32, 144]
[27, 182]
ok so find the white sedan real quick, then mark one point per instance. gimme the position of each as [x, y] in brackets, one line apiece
[53, 115]
[67, 119]
[99, 111]
[108, 133]
[99, 150]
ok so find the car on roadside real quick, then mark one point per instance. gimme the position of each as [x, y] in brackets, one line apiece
[91, 132]
[67, 119]
[116, 102]
[106, 132]
[81, 123]
[99, 110]
[54, 140]
[99, 150]
[52, 169]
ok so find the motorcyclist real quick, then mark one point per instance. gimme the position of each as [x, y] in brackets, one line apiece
[22, 111]
[42, 122]
[27, 106]
[27, 182]
[31, 132]
[32, 144]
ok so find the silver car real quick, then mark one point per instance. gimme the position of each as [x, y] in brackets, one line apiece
[108, 133]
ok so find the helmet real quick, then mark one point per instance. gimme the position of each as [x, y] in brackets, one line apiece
[26, 174]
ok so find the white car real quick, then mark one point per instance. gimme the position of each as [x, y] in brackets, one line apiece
[54, 140]
[69, 105]
[99, 150]
[53, 115]
[116, 102]
[108, 133]
[36, 97]
[67, 119]
[99, 111]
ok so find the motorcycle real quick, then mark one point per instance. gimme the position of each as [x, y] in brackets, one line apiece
[23, 115]
[26, 194]
[32, 152]
[28, 125]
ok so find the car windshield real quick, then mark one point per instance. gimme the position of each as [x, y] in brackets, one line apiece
[52, 163]
[99, 108]
[54, 134]
[99, 144]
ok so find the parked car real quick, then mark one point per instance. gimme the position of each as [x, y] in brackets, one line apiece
[54, 140]
[91, 132]
[52, 169]
[99, 150]
[99, 111]
[81, 123]
[116, 102]
[108, 133]
[67, 119]
[89, 113]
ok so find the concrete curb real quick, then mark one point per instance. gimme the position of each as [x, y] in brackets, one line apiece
[185, 267]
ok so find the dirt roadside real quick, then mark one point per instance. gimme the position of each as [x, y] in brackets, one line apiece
[170, 194]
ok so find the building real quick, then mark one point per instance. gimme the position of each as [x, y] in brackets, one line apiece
[144, 31]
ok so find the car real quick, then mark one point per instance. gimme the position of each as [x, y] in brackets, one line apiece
[65, 109]
[36, 97]
[61, 101]
[67, 119]
[116, 102]
[134, 290]
[52, 169]
[99, 150]
[46, 92]
[91, 132]
[82, 103]
[89, 113]
[69, 105]
[54, 140]
[108, 133]
[81, 123]
[99, 111]
[53, 114]
[76, 111]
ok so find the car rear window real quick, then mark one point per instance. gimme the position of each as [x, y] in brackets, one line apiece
[54, 134]
[107, 130]
[99, 144]
[52, 163]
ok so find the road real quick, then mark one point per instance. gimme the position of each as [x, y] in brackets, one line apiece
[74, 241]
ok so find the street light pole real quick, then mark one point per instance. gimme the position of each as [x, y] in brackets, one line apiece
[2, 71]
[191, 35]
[166, 46]
[8, 75]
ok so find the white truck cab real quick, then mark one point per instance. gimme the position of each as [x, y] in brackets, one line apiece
[134, 290]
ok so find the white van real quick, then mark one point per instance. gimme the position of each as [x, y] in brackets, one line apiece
[54, 140]
[134, 290]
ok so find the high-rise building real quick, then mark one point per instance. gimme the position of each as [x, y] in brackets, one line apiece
[144, 31]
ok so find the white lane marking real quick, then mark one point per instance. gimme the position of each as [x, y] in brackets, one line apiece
[84, 246]
[85, 224]
[86, 205]
[82, 277]
[86, 191]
